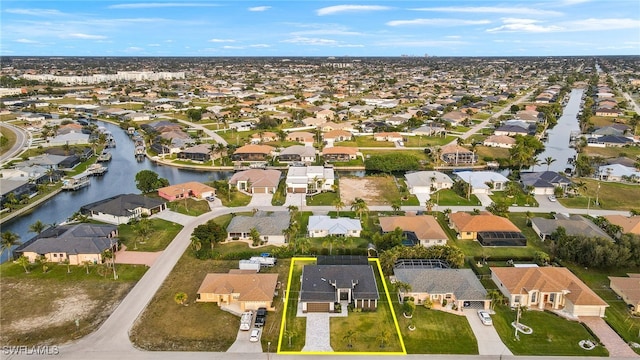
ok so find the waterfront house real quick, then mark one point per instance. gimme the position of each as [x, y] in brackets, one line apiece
[454, 154]
[123, 208]
[239, 290]
[256, 181]
[544, 182]
[553, 288]
[185, 190]
[298, 153]
[253, 153]
[339, 153]
[200, 152]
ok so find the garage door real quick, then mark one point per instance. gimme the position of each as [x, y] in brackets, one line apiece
[470, 304]
[317, 307]
[259, 190]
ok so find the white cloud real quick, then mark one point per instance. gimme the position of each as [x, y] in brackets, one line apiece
[524, 25]
[437, 22]
[331, 10]
[133, 48]
[310, 41]
[420, 43]
[158, 5]
[453, 36]
[221, 40]
[602, 24]
[259, 8]
[153, 45]
[26, 41]
[491, 10]
[85, 36]
[261, 46]
[350, 46]
[328, 31]
[232, 47]
[36, 12]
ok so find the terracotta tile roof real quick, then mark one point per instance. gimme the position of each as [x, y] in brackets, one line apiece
[191, 186]
[254, 149]
[628, 224]
[257, 177]
[466, 222]
[424, 226]
[339, 150]
[336, 133]
[250, 287]
[628, 286]
[547, 279]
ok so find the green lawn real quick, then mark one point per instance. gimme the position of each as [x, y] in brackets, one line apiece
[520, 199]
[609, 152]
[486, 152]
[448, 197]
[552, 335]
[294, 324]
[10, 137]
[424, 141]
[280, 196]
[235, 199]
[369, 141]
[189, 206]
[612, 196]
[437, 332]
[325, 198]
[163, 232]
[417, 153]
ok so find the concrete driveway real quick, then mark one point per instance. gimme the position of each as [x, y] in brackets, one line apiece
[489, 343]
[261, 200]
[174, 217]
[243, 345]
[320, 338]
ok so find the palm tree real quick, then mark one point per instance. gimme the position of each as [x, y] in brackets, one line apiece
[11, 201]
[290, 334]
[429, 205]
[9, 240]
[383, 337]
[37, 227]
[495, 296]
[339, 205]
[24, 262]
[142, 230]
[548, 161]
[180, 298]
[360, 207]
[293, 210]
[302, 244]
[395, 206]
[402, 287]
[330, 240]
[348, 337]
[196, 244]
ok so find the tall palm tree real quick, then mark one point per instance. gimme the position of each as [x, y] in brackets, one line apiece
[37, 227]
[330, 240]
[548, 161]
[429, 205]
[339, 205]
[9, 240]
[360, 207]
[302, 244]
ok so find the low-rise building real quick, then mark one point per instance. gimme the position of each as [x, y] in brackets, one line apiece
[310, 179]
[418, 230]
[323, 225]
[488, 229]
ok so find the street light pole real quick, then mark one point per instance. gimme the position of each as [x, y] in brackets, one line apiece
[268, 349]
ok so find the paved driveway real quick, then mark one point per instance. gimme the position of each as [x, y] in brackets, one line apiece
[174, 217]
[243, 345]
[261, 200]
[489, 343]
[609, 338]
[136, 257]
[320, 338]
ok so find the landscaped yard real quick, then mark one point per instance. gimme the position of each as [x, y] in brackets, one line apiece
[165, 325]
[437, 332]
[520, 199]
[325, 198]
[448, 197]
[424, 141]
[552, 335]
[612, 196]
[190, 206]
[41, 308]
[162, 233]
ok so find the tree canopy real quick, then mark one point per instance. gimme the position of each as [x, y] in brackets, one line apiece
[205, 237]
[148, 181]
[453, 256]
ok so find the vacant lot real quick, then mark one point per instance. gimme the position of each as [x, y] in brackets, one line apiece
[42, 308]
[612, 196]
[374, 190]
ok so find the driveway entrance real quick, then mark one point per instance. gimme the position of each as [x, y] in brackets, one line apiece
[609, 338]
[489, 343]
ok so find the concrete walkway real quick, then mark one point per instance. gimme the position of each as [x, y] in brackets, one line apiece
[609, 338]
[485, 200]
[489, 343]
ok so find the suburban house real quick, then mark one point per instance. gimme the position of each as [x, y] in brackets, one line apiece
[239, 290]
[387, 136]
[266, 136]
[553, 288]
[544, 182]
[298, 153]
[76, 243]
[455, 286]
[253, 152]
[185, 190]
[501, 141]
[418, 229]
[627, 288]
[618, 172]
[256, 181]
[454, 154]
[304, 137]
[629, 225]
[609, 141]
[200, 152]
[45, 160]
[339, 153]
[608, 112]
[426, 182]
[512, 130]
[573, 225]
[16, 187]
[334, 136]
[123, 208]
[323, 225]
[488, 229]
[310, 179]
[483, 182]
[325, 285]
[268, 224]
[455, 118]
[241, 126]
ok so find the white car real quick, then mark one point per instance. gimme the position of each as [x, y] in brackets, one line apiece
[552, 198]
[255, 335]
[485, 318]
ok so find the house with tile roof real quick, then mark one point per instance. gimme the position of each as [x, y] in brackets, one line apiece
[417, 229]
[573, 225]
[268, 224]
[460, 286]
[501, 141]
[629, 225]
[323, 225]
[488, 229]
[256, 181]
[253, 153]
[123, 208]
[239, 290]
[455, 154]
[553, 288]
[189, 189]
[339, 153]
[265, 136]
[628, 289]
[334, 136]
[324, 285]
[306, 138]
[387, 136]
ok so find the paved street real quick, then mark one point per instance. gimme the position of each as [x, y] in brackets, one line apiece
[22, 141]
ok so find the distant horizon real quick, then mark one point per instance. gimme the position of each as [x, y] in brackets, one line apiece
[317, 56]
[224, 28]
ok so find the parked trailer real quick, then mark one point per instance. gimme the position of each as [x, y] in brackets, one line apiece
[245, 320]
[264, 261]
[249, 265]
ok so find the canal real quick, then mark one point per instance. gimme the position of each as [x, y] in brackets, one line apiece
[120, 179]
[557, 145]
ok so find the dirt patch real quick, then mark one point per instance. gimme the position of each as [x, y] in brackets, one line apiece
[75, 306]
[377, 190]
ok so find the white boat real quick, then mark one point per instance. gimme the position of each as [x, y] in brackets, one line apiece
[76, 182]
[97, 169]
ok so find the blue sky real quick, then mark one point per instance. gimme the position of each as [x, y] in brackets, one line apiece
[319, 28]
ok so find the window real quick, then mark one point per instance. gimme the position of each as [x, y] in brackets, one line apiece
[516, 299]
[468, 233]
[552, 297]
[534, 297]
[55, 255]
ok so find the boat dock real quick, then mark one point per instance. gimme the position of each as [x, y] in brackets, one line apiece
[76, 182]
[104, 157]
[97, 170]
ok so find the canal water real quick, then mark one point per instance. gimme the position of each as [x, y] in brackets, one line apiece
[120, 179]
[558, 138]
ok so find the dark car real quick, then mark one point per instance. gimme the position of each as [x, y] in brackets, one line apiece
[261, 317]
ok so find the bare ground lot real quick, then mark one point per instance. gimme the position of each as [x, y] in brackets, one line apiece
[44, 312]
[374, 190]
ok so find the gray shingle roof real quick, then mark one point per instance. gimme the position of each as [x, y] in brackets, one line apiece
[122, 205]
[267, 223]
[573, 225]
[317, 282]
[463, 283]
[72, 239]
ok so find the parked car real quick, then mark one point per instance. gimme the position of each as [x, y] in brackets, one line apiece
[552, 198]
[210, 198]
[261, 317]
[245, 320]
[255, 335]
[485, 318]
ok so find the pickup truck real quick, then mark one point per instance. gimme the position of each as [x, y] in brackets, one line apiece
[261, 317]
